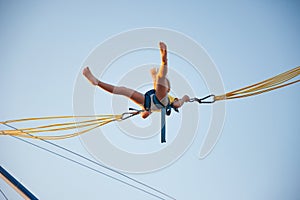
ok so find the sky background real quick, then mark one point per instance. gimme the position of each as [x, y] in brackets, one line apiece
[43, 46]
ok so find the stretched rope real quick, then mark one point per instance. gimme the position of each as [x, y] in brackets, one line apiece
[270, 84]
[263, 86]
[90, 123]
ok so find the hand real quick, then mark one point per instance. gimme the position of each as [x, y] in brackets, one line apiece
[145, 114]
[153, 71]
[185, 98]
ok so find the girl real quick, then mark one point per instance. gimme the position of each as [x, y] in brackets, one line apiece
[153, 100]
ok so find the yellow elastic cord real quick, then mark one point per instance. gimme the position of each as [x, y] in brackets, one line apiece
[263, 86]
[35, 132]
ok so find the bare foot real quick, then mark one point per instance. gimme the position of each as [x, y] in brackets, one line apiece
[163, 52]
[88, 74]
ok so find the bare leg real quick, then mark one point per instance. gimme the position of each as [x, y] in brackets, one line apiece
[131, 94]
[162, 86]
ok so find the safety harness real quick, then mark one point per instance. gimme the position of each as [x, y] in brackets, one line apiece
[165, 110]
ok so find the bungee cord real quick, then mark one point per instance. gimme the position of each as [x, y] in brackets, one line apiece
[270, 84]
[91, 122]
[31, 132]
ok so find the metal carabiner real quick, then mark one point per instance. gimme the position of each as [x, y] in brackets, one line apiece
[204, 98]
[209, 96]
[127, 115]
[193, 99]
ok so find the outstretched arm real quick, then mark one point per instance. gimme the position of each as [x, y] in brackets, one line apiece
[180, 102]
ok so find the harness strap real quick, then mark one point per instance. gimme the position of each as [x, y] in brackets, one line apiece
[157, 102]
[163, 125]
[165, 110]
[147, 101]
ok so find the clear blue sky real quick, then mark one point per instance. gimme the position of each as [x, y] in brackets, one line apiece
[43, 46]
